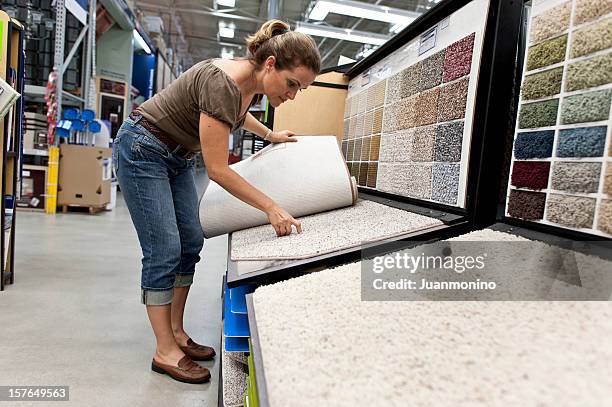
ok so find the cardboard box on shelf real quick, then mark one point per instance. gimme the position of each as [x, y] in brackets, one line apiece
[84, 176]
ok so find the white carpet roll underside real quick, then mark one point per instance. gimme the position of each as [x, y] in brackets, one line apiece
[322, 346]
[303, 177]
[328, 232]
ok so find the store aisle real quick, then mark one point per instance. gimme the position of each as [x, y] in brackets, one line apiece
[73, 316]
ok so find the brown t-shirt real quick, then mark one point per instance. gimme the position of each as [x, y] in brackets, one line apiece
[203, 88]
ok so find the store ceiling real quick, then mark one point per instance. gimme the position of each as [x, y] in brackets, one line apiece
[199, 23]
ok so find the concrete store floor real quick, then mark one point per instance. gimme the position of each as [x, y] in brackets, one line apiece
[73, 316]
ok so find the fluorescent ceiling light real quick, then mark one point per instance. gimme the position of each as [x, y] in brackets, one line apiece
[226, 3]
[227, 54]
[341, 34]
[141, 42]
[226, 30]
[362, 10]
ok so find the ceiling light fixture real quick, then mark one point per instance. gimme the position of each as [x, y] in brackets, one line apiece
[362, 10]
[227, 54]
[342, 34]
[226, 3]
[141, 42]
[226, 30]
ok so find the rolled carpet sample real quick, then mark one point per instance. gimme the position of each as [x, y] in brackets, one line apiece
[328, 232]
[322, 345]
[303, 177]
[534, 144]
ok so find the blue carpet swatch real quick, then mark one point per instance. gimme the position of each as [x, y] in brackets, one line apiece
[582, 142]
[534, 144]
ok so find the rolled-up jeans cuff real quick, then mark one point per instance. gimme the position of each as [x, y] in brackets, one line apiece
[157, 297]
[183, 280]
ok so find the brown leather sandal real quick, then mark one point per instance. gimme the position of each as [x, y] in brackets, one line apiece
[198, 352]
[187, 371]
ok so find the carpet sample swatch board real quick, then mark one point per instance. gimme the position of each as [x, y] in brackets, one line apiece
[421, 106]
[303, 177]
[563, 140]
[321, 345]
[327, 232]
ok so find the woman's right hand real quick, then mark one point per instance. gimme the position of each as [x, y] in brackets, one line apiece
[281, 221]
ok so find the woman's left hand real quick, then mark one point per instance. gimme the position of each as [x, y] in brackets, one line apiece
[281, 136]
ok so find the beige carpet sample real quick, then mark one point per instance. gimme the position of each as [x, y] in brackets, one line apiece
[304, 177]
[327, 232]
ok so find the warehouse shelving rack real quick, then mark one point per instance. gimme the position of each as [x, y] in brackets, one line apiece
[11, 59]
[87, 37]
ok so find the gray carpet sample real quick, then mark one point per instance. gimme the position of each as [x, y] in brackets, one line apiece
[432, 70]
[397, 147]
[572, 211]
[233, 380]
[576, 177]
[327, 232]
[411, 180]
[586, 107]
[445, 183]
[449, 138]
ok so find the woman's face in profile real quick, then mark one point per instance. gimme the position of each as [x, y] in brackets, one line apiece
[283, 85]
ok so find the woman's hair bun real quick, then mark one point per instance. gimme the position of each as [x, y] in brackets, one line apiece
[268, 30]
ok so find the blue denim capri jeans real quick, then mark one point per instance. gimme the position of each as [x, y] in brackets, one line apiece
[160, 193]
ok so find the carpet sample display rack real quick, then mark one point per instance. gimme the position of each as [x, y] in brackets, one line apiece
[556, 159]
[463, 61]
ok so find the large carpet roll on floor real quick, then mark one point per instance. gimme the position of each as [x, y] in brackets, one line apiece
[306, 177]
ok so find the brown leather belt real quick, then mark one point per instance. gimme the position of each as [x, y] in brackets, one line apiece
[162, 136]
